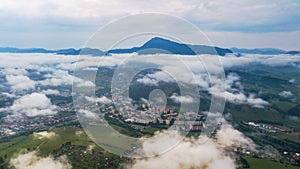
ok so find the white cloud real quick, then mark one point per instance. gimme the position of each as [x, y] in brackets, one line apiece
[229, 88]
[39, 20]
[88, 62]
[229, 136]
[199, 152]
[155, 78]
[148, 81]
[10, 95]
[52, 64]
[61, 77]
[34, 104]
[256, 102]
[144, 100]
[292, 80]
[87, 113]
[14, 71]
[194, 152]
[240, 98]
[270, 60]
[102, 99]
[83, 83]
[189, 153]
[44, 134]
[232, 90]
[211, 14]
[20, 82]
[30, 160]
[286, 94]
[50, 92]
[58, 78]
[181, 99]
[32, 60]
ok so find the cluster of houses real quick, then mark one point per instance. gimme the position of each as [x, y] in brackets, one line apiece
[269, 128]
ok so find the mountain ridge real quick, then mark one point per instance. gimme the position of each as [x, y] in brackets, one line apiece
[68, 51]
[263, 51]
[154, 46]
[158, 44]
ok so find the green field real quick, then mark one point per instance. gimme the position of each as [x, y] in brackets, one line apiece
[45, 145]
[267, 82]
[74, 140]
[66, 140]
[267, 164]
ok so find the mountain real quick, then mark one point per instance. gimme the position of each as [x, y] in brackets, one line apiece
[293, 52]
[294, 111]
[30, 50]
[70, 51]
[154, 46]
[160, 45]
[82, 51]
[93, 52]
[262, 51]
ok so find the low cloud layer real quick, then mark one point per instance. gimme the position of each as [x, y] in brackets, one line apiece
[34, 104]
[20, 82]
[44, 134]
[230, 88]
[228, 136]
[102, 99]
[15, 71]
[56, 70]
[181, 99]
[199, 152]
[286, 94]
[155, 78]
[189, 154]
[87, 114]
[30, 160]
[62, 77]
[233, 91]
[50, 92]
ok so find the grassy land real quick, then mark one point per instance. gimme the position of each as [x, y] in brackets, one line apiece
[247, 113]
[66, 141]
[266, 83]
[291, 136]
[74, 141]
[267, 164]
[62, 135]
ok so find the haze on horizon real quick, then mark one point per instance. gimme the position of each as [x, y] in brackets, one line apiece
[62, 24]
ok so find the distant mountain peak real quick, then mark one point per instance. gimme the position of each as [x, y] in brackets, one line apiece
[160, 45]
[262, 51]
[155, 45]
[159, 39]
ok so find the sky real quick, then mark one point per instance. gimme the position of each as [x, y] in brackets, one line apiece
[69, 23]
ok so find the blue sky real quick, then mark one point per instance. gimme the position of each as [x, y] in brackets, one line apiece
[227, 23]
